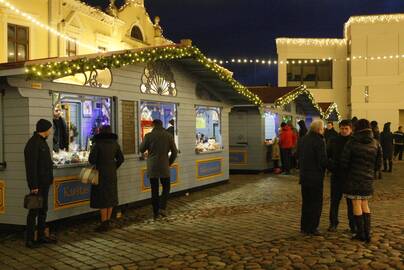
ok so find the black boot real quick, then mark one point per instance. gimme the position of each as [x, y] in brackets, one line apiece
[360, 235]
[366, 221]
[390, 166]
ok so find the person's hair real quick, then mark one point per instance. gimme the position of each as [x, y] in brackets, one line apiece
[171, 122]
[400, 127]
[345, 123]
[373, 124]
[283, 124]
[157, 123]
[316, 125]
[362, 124]
[105, 129]
[330, 122]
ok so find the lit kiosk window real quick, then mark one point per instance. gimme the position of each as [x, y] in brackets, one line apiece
[208, 129]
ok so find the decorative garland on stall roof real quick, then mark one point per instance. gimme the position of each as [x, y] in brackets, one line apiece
[54, 70]
[330, 109]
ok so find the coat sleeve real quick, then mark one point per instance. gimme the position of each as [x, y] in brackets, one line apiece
[119, 157]
[174, 151]
[144, 146]
[346, 156]
[92, 159]
[31, 153]
[322, 155]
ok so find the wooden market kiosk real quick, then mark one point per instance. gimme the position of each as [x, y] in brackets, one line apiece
[252, 129]
[126, 89]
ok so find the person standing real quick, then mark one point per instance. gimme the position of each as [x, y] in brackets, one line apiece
[330, 132]
[375, 129]
[171, 128]
[158, 144]
[386, 140]
[39, 173]
[287, 141]
[107, 157]
[338, 175]
[361, 155]
[313, 162]
[398, 143]
[60, 134]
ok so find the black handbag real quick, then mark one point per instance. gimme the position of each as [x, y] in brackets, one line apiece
[33, 201]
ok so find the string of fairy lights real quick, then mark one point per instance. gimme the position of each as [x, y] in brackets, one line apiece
[47, 27]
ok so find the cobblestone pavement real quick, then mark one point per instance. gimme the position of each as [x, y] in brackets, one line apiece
[250, 223]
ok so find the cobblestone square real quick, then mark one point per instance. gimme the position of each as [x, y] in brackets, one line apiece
[252, 222]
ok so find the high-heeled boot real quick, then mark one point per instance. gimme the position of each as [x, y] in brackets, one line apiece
[366, 221]
[360, 234]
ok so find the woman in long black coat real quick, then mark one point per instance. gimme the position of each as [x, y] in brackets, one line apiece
[362, 155]
[107, 157]
[386, 140]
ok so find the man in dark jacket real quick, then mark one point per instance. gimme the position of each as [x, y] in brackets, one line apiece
[60, 134]
[39, 172]
[171, 128]
[338, 176]
[398, 143]
[330, 132]
[313, 162]
[386, 141]
[158, 144]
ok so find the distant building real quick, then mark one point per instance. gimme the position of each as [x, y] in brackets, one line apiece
[363, 72]
[127, 27]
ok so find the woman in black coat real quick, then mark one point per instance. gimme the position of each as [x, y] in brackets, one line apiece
[106, 156]
[360, 157]
[386, 140]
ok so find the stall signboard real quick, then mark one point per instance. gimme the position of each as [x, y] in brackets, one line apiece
[209, 168]
[238, 157]
[174, 179]
[128, 127]
[70, 192]
[2, 197]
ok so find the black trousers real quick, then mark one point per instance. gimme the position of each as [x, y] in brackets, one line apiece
[389, 162]
[286, 158]
[38, 214]
[398, 151]
[336, 196]
[160, 202]
[312, 205]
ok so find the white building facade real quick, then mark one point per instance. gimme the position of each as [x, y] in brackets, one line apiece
[363, 72]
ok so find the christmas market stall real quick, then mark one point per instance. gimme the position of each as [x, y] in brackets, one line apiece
[331, 112]
[126, 90]
[253, 129]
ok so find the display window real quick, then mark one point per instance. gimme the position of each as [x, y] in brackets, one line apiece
[76, 119]
[166, 112]
[208, 129]
[271, 125]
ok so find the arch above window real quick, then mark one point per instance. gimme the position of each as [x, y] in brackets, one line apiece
[136, 33]
[158, 79]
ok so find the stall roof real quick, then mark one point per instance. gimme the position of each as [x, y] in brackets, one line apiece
[330, 110]
[281, 96]
[214, 78]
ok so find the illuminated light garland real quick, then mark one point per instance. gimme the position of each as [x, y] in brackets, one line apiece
[386, 18]
[54, 70]
[318, 42]
[333, 107]
[46, 27]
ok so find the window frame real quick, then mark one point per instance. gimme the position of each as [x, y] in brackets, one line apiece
[196, 106]
[69, 50]
[16, 42]
[317, 64]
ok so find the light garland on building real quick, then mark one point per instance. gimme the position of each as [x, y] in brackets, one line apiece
[332, 108]
[386, 18]
[318, 42]
[53, 70]
[46, 27]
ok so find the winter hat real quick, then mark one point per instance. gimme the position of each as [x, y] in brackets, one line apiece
[43, 125]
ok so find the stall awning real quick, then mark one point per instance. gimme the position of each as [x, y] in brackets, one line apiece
[281, 96]
[330, 111]
[211, 76]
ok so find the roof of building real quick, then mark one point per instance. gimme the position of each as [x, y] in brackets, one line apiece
[269, 94]
[215, 79]
[330, 111]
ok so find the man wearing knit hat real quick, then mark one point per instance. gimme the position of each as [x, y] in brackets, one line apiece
[39, 171]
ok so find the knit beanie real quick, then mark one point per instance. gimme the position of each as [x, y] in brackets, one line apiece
[43, 125]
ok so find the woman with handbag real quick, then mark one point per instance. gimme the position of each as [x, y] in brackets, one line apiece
[107, 157]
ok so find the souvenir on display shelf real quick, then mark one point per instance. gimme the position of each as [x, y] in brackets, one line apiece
[76, 120]
[208, 129]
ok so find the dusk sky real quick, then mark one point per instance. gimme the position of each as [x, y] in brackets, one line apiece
[247, 28]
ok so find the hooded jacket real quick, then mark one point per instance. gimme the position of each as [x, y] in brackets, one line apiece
[386, 140]
[287, 138]
[361, 157]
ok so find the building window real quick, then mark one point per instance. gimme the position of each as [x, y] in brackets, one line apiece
[208, 129]
[312, 73]
[18, 43]
[136, 33]
[158, 79]
[71, 47]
